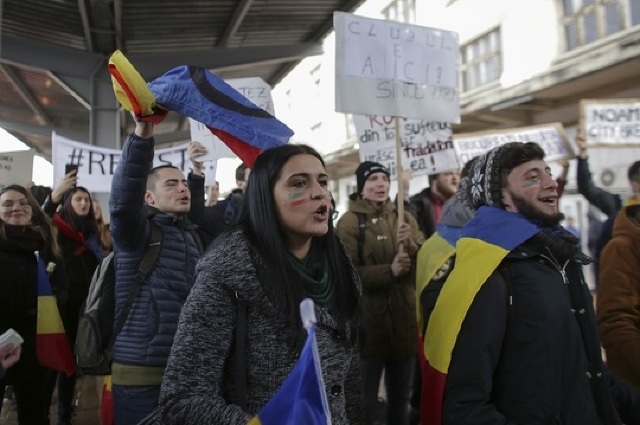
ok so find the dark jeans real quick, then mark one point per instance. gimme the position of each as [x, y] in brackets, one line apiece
[30, 393]
[133, 403]
[398, 380]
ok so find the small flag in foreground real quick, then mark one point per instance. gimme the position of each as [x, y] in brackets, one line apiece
[52, 345]
[302, 398]
[106, 408]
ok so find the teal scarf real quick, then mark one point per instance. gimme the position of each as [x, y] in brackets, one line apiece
[315, 276]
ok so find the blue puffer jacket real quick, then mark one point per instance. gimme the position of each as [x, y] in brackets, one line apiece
[148, 333]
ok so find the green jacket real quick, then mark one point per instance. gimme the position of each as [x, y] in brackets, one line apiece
[388, 302]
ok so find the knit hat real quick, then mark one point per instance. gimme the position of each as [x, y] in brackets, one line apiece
[365, 169]
[483, 184]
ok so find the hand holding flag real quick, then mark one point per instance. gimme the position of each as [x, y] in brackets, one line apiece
[302, 398]
[199, 94]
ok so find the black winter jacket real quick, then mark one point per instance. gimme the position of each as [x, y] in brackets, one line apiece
[19, 297]
[537, 361]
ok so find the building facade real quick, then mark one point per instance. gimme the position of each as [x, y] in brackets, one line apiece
[522, 63]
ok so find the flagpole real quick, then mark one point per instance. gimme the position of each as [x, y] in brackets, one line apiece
[399, 173]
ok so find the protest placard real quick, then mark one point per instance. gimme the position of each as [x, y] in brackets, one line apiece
[550, 137]
[427, 147]
[96, 165]
[16, 168]
[611, 122]
[389, 68]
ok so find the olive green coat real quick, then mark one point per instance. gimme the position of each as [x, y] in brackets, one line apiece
[388, 302]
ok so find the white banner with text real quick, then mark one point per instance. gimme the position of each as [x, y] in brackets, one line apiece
[96, 164]
[16, 167]
[389, 68]
[550, 137]
[427, 147]
[611, 122]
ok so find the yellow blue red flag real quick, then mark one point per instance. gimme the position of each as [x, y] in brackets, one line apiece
[302, 398]
[199, 94]
[484, 243]
[52, 345]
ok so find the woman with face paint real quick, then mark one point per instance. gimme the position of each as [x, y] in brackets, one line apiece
[25, 229]
[80, 244]
[282, 250]
[384, 249]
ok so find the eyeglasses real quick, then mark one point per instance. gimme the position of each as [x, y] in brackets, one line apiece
[23, 203]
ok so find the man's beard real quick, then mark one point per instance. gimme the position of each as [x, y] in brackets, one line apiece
[530, 211]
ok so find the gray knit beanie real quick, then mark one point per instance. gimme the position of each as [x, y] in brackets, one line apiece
[483, 184]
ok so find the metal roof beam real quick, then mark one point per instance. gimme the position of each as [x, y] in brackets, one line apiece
[238, 16]
[86, 25]
[152, 65]
[70, 62]
[78, 88]
[26, 94]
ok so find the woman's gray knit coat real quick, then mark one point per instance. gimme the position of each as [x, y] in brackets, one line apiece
[198, 384]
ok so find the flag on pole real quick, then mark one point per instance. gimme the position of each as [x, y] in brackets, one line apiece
[197, 93]
[302, 398]
[52, 345]
[485, 242]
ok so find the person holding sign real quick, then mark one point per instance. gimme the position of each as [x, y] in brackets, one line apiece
[383, 248]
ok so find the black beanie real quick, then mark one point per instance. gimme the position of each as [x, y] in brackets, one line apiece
[365, 169]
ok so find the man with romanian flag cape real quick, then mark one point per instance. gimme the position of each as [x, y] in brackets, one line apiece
[512, 337]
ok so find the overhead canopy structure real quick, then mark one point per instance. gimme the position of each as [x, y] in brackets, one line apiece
[53, 55]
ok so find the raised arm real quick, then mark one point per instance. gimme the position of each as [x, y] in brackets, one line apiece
[607, 202]
[129, 185]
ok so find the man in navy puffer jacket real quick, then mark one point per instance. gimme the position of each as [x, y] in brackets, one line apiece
[142, 348]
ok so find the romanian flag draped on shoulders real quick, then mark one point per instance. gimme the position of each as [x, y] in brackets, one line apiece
[199, 94]
[302, 398]
[52, 345]
[485, 241]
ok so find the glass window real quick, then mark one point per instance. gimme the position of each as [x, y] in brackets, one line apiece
[612, 18]
[571, 36]
[634, 11]
[401, 11]
[590, 28]
[481, 60]
[586, 21]
[567, 7]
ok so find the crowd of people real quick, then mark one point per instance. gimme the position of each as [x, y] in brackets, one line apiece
[469, 308]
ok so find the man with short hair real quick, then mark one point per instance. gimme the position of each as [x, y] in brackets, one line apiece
[142, 348]
[428, 204]
[512, 336]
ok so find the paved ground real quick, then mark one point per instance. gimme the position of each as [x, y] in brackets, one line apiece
[87, 411]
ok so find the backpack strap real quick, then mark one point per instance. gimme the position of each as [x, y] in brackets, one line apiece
[362, 225]
[147, 263]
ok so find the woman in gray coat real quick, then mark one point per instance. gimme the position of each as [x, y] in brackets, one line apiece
[282, 250]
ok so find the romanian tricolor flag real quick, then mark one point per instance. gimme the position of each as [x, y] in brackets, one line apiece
[431, 257]
[199, 94]
[485, 242]
[302, 398]
[106, 407]
[52, 345]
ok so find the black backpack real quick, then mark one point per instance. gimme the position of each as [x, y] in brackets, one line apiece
[97, 327]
